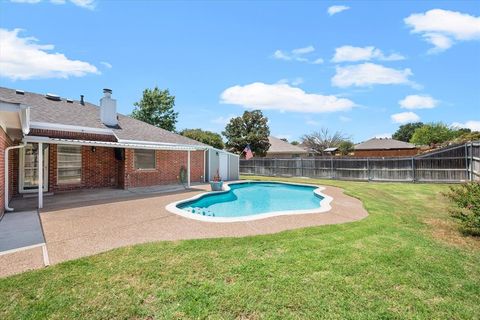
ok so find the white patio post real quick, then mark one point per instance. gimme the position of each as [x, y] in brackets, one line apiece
[188, 168]
[40, 175]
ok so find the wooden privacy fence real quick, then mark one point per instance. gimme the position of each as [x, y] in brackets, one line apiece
[458, 163]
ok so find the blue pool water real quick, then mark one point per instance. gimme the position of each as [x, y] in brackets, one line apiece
[251, 198]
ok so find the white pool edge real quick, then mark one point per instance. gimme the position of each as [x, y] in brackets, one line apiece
[324, 206]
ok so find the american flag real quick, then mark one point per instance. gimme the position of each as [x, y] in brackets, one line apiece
[248, 152]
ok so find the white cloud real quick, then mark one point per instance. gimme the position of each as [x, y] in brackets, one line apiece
[336, 9]
[25, 1]
[87, 4]
[442, 27]
[106, 64]
[367, 74]
[283, 97]
[297, 54]
[311, 122]
[382, 136]
[23, 58]
[418, 102]
[300, 51]
[294, 82]
[472, 125]
[405, 117]
[223, 120]
[351, 54]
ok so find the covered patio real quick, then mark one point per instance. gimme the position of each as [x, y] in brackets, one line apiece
[27, 202]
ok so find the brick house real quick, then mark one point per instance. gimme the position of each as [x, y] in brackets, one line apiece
[62, 144]
[385, 147]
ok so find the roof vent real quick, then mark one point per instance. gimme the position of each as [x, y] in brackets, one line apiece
[82, 102]
[53, 97]
[20, 92]
[69, 101]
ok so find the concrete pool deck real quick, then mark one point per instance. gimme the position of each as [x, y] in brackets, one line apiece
[99, 226]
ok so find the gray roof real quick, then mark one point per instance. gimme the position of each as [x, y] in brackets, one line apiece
[280, 146]
[383, 144]
[88, 115]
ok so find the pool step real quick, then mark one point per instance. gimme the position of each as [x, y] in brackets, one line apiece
[200, 211]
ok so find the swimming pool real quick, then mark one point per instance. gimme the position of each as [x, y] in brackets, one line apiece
[245, 201]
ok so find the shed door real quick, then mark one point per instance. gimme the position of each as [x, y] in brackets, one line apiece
[223, 166]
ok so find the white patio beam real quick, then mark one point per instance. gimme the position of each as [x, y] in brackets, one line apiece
[40, 175]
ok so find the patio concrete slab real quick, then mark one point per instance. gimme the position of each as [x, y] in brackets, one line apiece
[20, 229]
[100, 222]
[97, 227]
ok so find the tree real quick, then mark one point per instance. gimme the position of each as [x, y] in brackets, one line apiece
[345, 147]
[251, 128]
[405, 131]
[208, 137]
[295, 143]
[323, 139]
[156, 108]
[433, 133]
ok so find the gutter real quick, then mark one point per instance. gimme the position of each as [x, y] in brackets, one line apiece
[7, 187]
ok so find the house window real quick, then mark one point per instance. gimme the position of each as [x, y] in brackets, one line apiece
[144, 159]
[69, 164]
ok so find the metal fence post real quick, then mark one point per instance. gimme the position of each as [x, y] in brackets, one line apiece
[275, 166]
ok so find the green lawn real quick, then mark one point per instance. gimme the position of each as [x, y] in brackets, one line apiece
[406, 260]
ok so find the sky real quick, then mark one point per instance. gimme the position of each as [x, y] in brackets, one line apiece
[360, 67]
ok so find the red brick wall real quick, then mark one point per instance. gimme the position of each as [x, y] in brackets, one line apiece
[72, 135]
[167, 169]
[99, 169]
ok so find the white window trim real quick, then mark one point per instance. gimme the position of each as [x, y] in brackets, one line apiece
[63, 183]
[21, 178]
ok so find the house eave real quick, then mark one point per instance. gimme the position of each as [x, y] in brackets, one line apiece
[38, 139]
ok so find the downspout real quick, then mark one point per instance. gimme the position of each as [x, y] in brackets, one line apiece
[205, 165]
[7, 187]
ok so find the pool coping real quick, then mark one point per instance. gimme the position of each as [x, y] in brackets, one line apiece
[324, 205]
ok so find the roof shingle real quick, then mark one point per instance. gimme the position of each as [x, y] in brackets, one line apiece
[88, 115]
[383, 144]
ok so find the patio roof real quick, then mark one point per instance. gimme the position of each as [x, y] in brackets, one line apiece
[152, 146]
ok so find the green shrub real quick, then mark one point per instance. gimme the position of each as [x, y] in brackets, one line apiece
[466, 208]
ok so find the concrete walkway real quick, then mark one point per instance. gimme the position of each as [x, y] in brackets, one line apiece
[21, 242]
[99, 225]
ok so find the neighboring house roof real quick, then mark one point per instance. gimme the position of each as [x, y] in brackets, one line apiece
[383, 144]
[88, 115]
[280, 146]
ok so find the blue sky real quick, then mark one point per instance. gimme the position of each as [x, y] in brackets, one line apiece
[364, 68]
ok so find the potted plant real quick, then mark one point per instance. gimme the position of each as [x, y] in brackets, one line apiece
[216, 184]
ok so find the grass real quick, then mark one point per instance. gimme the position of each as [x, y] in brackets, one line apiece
[406, 260]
